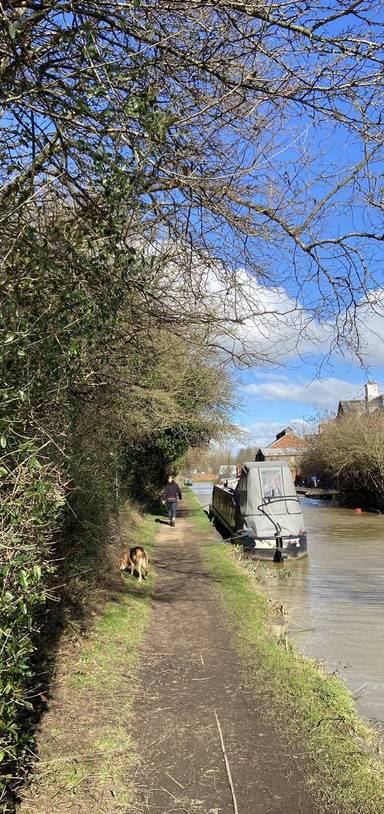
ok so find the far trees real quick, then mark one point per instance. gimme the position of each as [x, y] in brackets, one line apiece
[246, 454]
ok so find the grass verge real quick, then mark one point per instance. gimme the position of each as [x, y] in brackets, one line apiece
[86, 756]
[338, 747]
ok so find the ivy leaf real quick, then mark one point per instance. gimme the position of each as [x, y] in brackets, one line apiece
[37, 572]
[12, 30]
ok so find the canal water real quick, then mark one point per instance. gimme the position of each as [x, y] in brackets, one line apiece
[335, 597]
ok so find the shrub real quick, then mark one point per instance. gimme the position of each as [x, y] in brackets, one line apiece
[348, 451]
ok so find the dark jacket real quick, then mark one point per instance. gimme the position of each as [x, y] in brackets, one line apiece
[172, 491]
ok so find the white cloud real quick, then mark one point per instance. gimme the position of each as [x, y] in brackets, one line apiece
[264, 324]
[248, 320]
[278, 328]
[267, 324]
[318, 393]
[370, 324]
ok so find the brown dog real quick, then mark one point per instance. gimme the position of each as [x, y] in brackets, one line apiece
[136, 560]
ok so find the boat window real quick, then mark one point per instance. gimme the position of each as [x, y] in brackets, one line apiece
[243, 494]
[240, 494]
[292, 502]
[271, 483]
[293, 505]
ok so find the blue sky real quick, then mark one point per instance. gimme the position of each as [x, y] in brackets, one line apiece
[292, 396]
[306, 384]
[309, 372]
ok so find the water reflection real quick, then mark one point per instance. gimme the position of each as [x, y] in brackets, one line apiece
[336, 597]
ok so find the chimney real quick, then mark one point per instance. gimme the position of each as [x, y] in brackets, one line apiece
[371, 391]
[286, 431]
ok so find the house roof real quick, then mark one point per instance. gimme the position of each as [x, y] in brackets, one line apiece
[360, 405]
[274, 452]
[352, 406]
[285, 431]
[287, 441]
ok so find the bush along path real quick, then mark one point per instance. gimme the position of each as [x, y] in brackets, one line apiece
[193, 705]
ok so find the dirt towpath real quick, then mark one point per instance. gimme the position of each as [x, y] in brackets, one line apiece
[191, 674]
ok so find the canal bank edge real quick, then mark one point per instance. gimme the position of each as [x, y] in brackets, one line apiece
[339, 750]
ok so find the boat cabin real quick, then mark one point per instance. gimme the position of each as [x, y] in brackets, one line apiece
[263, 507]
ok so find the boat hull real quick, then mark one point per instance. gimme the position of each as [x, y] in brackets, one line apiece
[290, 550]
[291, 547]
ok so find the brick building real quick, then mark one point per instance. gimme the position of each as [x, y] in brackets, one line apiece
[286, 447]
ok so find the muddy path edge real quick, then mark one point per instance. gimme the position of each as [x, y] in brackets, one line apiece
[86, 757]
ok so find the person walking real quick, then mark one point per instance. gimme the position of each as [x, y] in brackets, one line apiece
[171, 495]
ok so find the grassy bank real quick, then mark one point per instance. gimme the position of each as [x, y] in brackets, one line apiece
[86, 756]
[338, 747]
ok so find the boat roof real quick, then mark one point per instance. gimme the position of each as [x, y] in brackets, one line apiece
[263, 464]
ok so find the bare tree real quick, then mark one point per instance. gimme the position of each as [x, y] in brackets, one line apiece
[246, 454]
[251, 134]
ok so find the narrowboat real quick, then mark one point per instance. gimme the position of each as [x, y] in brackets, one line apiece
[262, 512]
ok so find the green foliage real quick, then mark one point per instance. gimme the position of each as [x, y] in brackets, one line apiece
[100, 390]
[100, 748]
[32, 501]
[59, 316]
[98, 400]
